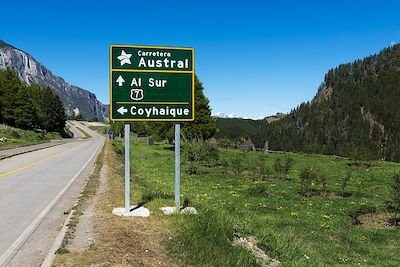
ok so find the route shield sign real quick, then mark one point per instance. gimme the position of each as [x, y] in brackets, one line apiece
[151, 83]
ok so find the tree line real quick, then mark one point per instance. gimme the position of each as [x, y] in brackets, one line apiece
[29, 106]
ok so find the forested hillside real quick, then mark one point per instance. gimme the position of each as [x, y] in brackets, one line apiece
[355, 113]
[235, 129]
[29, 107]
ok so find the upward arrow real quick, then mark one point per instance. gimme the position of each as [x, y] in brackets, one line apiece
[120, 81]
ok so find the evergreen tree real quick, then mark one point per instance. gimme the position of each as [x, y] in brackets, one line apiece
[9, 87]
[203, 125]
[38, 105]
[24, 114]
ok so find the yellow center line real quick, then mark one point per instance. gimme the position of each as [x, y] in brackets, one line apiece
[34, 164]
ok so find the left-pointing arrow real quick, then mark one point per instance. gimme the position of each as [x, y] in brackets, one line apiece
[120, 80]
[122, 110]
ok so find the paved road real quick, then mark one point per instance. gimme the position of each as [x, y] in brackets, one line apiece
[32, 184]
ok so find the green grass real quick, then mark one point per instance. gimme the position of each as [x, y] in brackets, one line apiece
[100, 129]
[17, 137]
[86, 135]
[293, 228]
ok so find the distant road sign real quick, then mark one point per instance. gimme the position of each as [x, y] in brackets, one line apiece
[151, 83]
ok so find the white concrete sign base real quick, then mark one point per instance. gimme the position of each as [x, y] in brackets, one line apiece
[135, 212]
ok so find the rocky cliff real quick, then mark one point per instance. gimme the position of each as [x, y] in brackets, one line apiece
[29, 70]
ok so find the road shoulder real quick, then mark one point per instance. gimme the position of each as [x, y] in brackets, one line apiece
[101, 238]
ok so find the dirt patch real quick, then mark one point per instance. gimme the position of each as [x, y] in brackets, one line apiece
[379, 220]
[116, 241]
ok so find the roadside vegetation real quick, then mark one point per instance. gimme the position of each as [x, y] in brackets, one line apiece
[29, 107]
[112, 240]
[11, 137]
[303, 209]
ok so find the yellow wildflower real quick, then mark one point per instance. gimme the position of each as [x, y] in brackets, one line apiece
[293, 213]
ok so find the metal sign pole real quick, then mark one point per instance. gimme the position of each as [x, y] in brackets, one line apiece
[127, 168]
[177, 165]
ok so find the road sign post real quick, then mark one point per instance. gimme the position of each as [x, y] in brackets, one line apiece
[177, 165]
[127, 168]
[151, 83]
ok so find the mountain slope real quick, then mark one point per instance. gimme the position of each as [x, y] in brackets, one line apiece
[30, 71]
[355, 112]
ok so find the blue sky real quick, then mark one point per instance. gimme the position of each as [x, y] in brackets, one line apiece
[255, 58]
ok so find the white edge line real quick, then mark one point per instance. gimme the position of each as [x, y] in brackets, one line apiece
[57, 243]
[11, 251]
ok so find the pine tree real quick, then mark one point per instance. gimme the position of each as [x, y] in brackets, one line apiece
[54, 114]
[23, 113]
[203, 125]
[9, 87]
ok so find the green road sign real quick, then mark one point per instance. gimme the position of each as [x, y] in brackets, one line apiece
[151, 83]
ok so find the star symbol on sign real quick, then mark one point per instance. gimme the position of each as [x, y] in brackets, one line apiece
[124, 58]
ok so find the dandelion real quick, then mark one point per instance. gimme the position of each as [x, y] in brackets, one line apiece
[363, 238]
[328, 217]
[325, 226]
[233, 193]
[246, 205]
[293, 213]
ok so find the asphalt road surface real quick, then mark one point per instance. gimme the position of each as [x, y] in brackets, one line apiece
[35, 190]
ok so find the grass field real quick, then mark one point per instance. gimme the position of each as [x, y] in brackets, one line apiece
[297, 229]
[17, 137]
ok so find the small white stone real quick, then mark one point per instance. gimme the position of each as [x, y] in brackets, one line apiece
[168, 210]
[189, 210]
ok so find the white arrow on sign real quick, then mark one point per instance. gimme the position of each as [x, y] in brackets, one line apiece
[122, 110]
[120, 81]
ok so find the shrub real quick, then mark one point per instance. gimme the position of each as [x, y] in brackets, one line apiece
[306, 178]
[287, 165]
[237, 161]
[322, 181]
[265, 170]
[396, 200]
[278, 166]
[344, 181]
[193, 168]
[283, 168]
[196, 150]
[258, 191]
